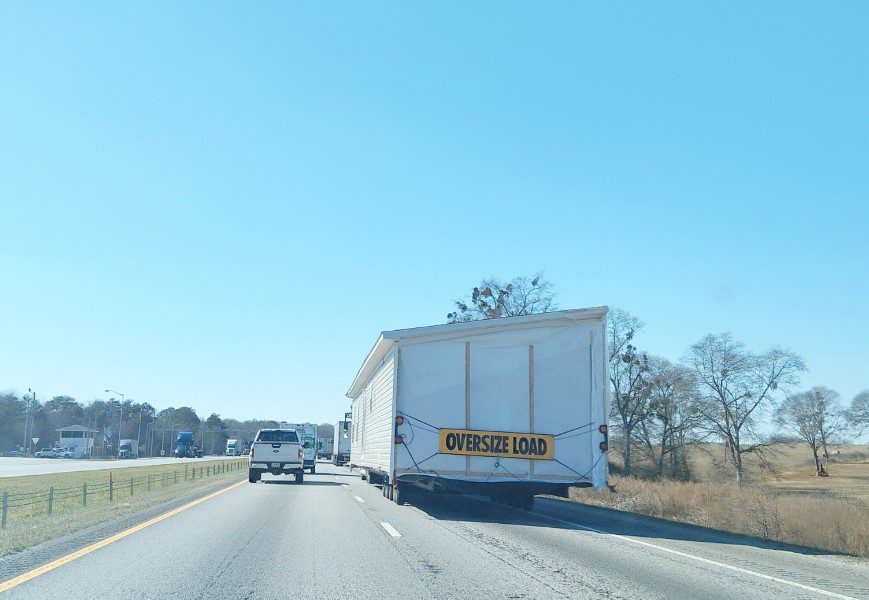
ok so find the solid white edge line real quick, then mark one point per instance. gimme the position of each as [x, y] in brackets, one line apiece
[358, 499]
[701, 559]
[391, 530]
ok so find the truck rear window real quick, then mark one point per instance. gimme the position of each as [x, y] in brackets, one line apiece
[277, 436]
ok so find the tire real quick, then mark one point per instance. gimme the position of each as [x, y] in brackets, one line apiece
[300, 477]
[313, 469]
[253, 476]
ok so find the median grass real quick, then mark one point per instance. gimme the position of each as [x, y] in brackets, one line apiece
[83, 498]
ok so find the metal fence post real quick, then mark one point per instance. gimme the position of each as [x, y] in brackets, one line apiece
[84, 494]
[193, 473]
[176, 476]
[111, 488]
[5, 504]
[50, 499]
[185, 472]
[132, 479]
[149, 482]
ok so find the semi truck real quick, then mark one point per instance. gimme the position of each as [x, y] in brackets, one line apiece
[324, 449]
[233, 448]
[127, 449]
[507, 407]
[308, 438]
[341, 443]
[185, 447]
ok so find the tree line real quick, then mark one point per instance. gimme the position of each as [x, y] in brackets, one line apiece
[719, 392]
[26, 417]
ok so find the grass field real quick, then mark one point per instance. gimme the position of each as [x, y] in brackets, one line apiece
[784, 501]
[28, 520]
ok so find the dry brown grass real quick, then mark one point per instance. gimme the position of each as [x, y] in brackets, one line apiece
[784, 501]
[838, 524]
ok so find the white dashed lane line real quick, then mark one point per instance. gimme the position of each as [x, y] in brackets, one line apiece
[391, 530]
[358, 499]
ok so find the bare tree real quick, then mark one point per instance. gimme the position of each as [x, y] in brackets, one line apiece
[809, 415]
[858, 412]
[628, 374]
[493, 299]
[671, 415]
[737, 387]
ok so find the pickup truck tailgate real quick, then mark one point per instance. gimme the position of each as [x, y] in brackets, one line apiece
[280, 452]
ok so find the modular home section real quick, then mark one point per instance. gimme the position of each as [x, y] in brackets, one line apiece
[518, 400]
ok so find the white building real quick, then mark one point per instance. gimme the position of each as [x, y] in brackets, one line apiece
[77, 438]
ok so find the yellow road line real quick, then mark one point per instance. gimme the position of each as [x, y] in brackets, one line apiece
[16, 581]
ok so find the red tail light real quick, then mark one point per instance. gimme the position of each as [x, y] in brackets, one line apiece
[251, 451]
[301, 454]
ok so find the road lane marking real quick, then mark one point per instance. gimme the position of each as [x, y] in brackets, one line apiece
[16, 581]
[390, 530]
[701, 559]
[358, 499]
[344, 485]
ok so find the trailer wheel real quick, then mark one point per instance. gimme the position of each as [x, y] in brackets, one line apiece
[396, 493]
[300, 477]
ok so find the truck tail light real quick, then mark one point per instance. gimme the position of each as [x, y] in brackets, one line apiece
[399, 439]
[251, 451]
[602, 429]
[399, 420]
[301, 454]
[603, 446]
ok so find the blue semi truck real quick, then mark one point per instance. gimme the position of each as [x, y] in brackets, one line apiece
[184, 446]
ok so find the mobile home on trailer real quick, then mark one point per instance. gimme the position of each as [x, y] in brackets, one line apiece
[505, 407]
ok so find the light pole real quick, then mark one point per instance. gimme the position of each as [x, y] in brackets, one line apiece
[139, 432]
[120, 420]
[27, 404]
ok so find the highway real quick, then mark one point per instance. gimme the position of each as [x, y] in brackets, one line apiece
[337, 537]
[14, 467]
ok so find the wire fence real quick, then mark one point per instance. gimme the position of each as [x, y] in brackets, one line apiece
[27, 505]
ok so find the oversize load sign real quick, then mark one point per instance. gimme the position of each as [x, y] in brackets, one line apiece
[504, 444]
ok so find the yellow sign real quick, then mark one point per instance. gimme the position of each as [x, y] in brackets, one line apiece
[504, 444]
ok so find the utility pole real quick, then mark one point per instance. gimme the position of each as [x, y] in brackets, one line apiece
[120, 420]
[139, 432]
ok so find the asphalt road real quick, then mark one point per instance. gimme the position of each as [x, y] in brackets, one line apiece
[12, 467]
[337, 537]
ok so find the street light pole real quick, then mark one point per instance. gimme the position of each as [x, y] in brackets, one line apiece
[139, 432]
[120, 420]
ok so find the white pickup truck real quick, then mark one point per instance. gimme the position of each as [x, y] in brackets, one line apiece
[276, 451]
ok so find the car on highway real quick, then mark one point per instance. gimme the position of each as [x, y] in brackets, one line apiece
[46, 453]
[276, 451]
[64, 453]
[15, 453]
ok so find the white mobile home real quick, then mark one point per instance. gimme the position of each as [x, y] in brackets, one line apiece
[508, 407]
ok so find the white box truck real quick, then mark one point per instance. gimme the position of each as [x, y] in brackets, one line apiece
[308, 437]
[341, 443]
[507, 407]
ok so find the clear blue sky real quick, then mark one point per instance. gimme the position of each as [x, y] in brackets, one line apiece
[222, 205]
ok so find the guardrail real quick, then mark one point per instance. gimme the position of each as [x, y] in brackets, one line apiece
[46, 502]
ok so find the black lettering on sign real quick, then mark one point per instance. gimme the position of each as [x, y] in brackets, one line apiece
[496, 444]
